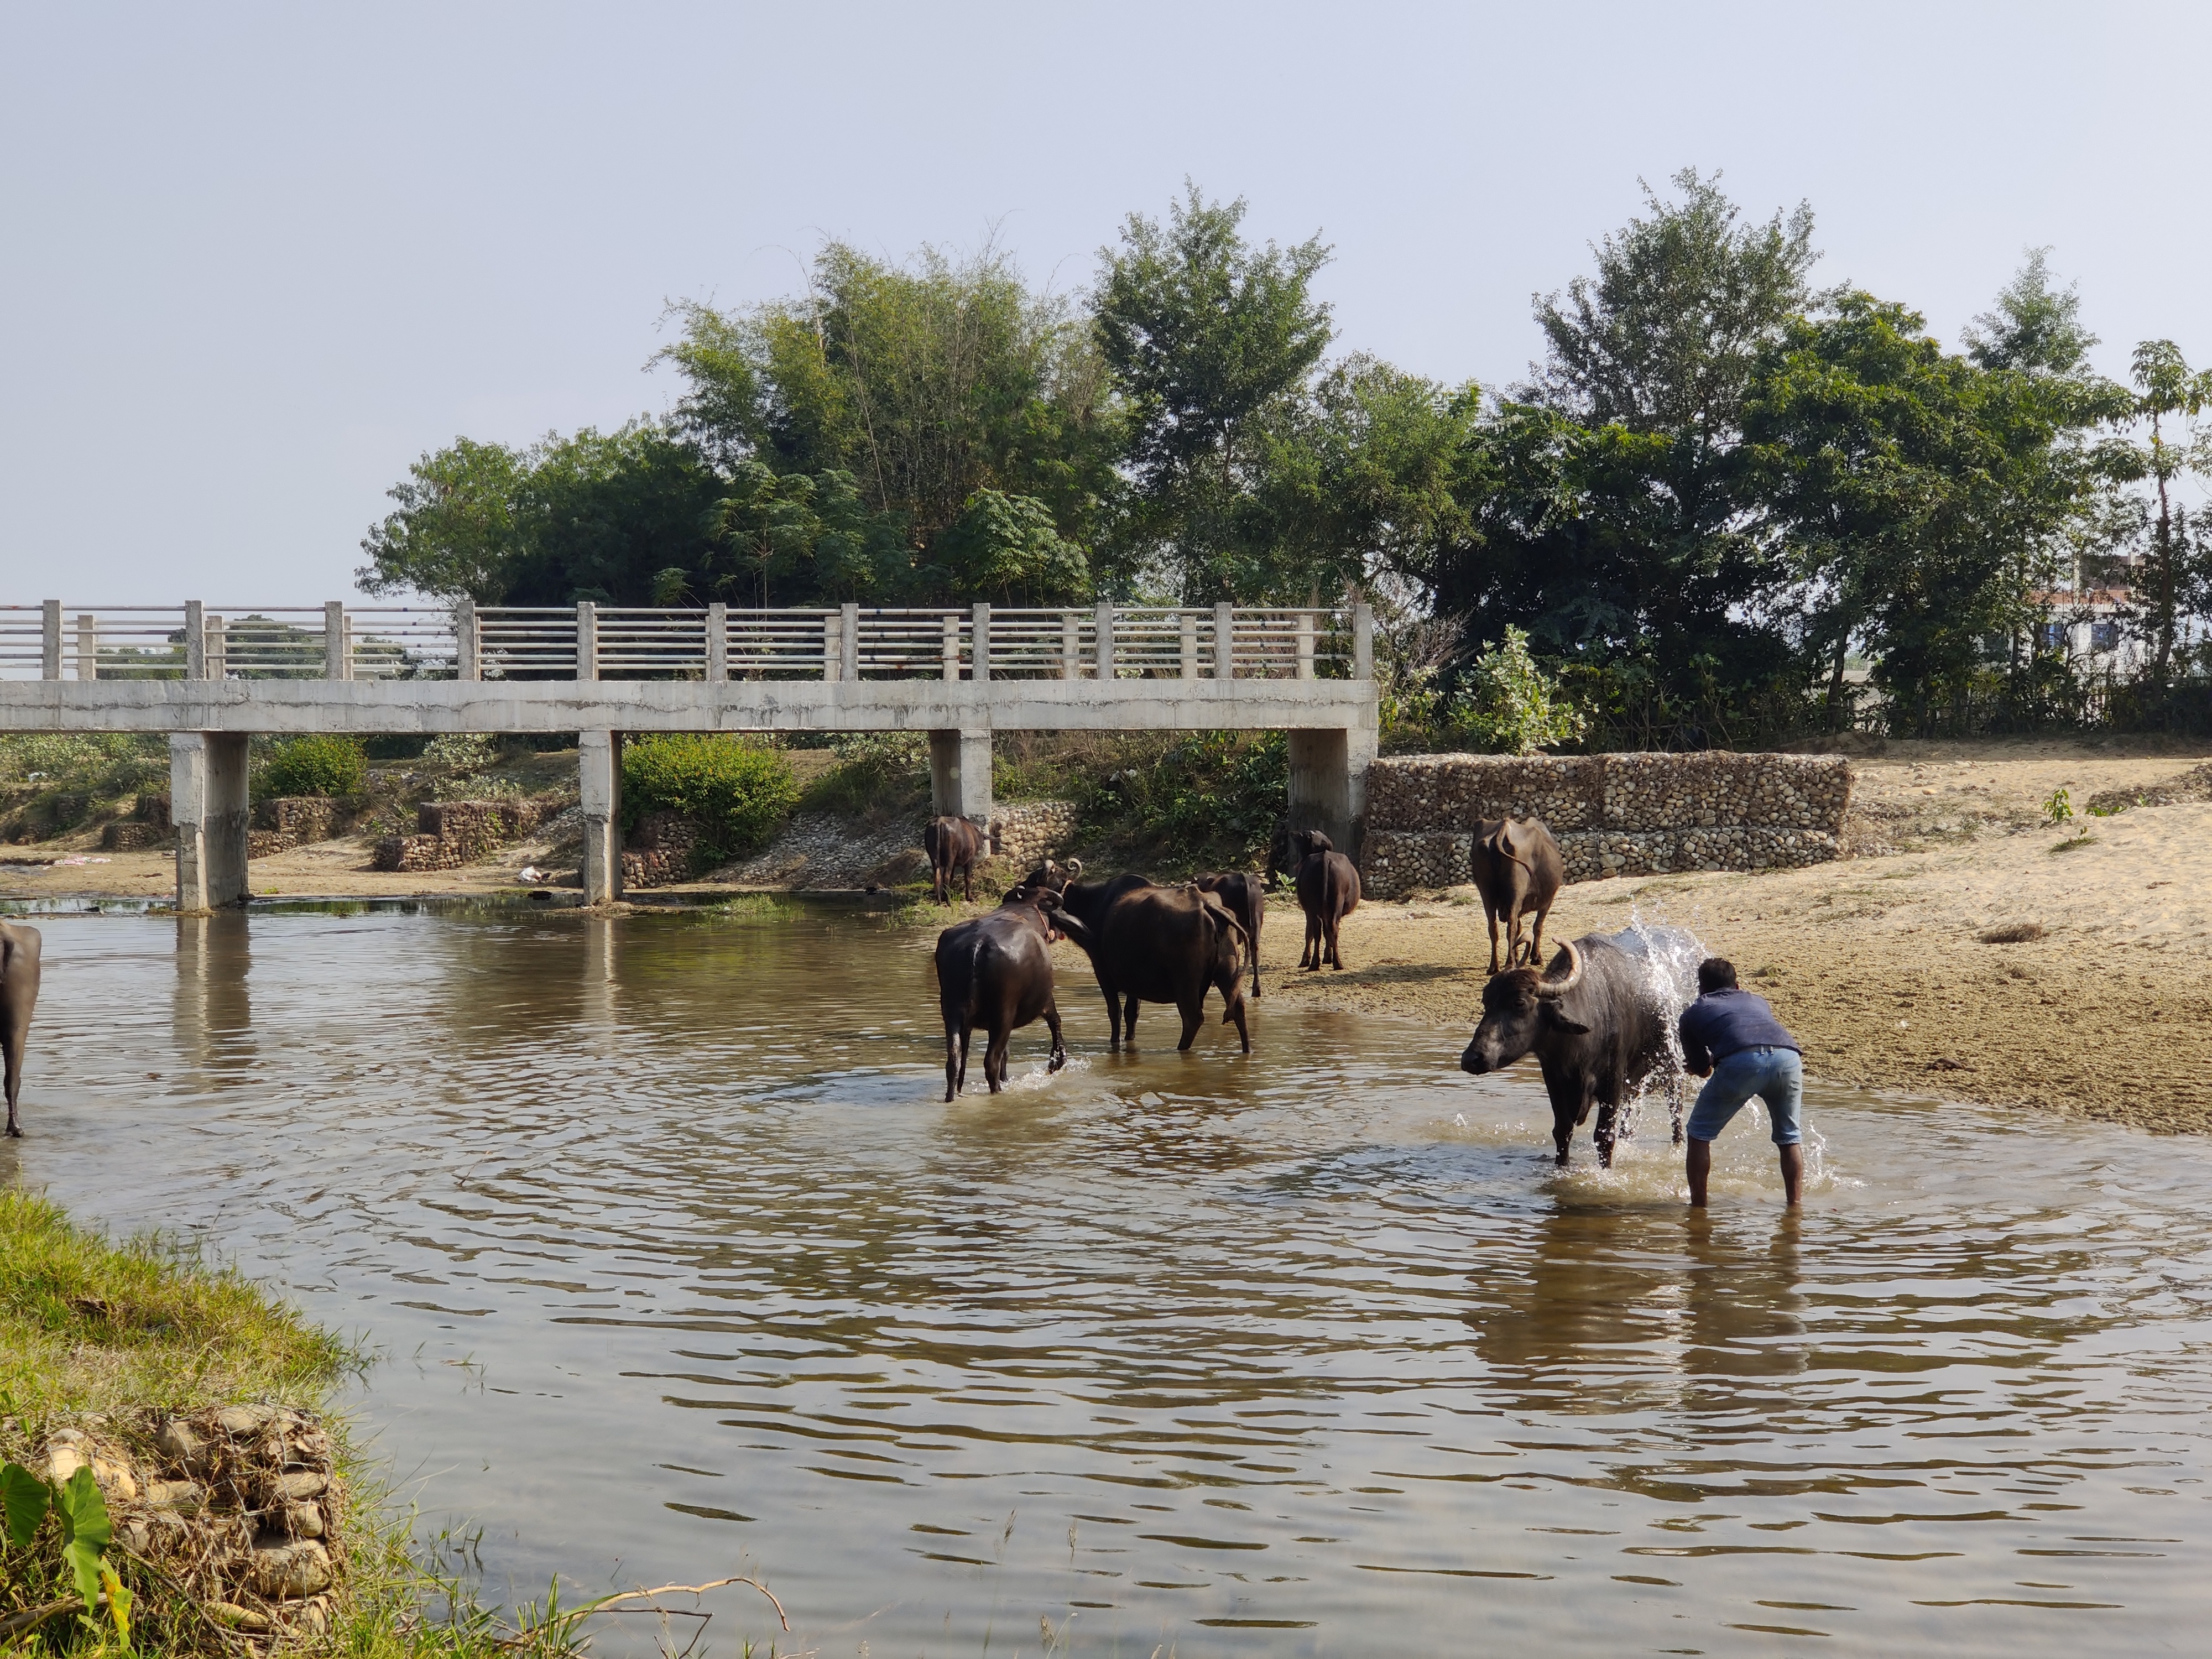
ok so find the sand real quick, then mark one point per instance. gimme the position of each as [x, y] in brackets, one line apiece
[1878, 962]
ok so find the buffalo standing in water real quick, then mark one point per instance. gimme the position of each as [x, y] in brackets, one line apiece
[953, 846]
[1595, 1023]
[1246, 896]
[19, 994]
[1152, 944]
[996, 972]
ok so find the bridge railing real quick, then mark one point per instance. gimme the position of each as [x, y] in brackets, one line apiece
[197, 640]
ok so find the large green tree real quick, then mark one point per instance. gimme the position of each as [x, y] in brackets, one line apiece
[1213, 343]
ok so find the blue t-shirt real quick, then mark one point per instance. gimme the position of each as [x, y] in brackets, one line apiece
[1723, 1023]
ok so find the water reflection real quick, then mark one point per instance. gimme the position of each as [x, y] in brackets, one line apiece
[1308, 1352]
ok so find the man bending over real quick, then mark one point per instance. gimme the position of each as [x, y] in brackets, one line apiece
[1732, 1036]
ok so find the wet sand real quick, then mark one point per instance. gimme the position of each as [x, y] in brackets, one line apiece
[1877, 961]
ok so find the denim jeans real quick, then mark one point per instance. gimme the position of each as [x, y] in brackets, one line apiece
[1777, 1076]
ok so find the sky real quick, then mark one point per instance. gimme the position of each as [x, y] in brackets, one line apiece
[256, 261]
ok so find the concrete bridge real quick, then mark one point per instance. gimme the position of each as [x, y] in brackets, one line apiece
[210, 676]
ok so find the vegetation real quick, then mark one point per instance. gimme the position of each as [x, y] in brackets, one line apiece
[321, 763]
[1721, 489]
[1175, 800]
[739, 790]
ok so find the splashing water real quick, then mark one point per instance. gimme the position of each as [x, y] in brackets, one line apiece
[1669, 957]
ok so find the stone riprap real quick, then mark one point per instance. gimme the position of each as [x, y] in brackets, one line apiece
[1615, 815]
[450, 834]
[819, 853]
[1029, 831]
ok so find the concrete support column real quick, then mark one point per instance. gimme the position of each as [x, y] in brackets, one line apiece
[208, 803]
[960, 774]
[598, 764]
[195, 640]
[468, 655]
[1328, 783]
[337, 641]
[50, 640]
[87, 647]
[1224, 642]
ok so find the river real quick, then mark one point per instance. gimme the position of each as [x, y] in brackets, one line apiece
[677, 1265]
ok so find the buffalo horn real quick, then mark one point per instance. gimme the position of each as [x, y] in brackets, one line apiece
[1075, 869]
[1548, 986]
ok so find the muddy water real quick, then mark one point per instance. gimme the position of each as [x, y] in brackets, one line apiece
[678, 1264]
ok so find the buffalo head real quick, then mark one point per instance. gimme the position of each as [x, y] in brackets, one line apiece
[1289, 848]
[1518, 1009]
[1052, 877]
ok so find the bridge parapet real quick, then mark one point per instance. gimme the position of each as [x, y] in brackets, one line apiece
[716, 643]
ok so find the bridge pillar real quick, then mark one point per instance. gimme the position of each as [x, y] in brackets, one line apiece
[208, 803]
[960, 774]
[599, 769]
[1328, 783]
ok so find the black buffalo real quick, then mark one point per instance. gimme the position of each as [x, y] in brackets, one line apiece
[1517, 869]
[1596, 1024]
[1328, 885]
[996, 972]
[1246, 896]
[19, 994]
[953, 846]
[1152, 944]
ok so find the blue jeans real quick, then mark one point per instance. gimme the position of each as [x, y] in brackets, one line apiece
[1777, 1076]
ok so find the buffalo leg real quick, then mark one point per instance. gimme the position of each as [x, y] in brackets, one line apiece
[1129, 1019]
[1058, 1045]
[994, 1058]
[1310, 958]
[1243, 1031]
[1491, 916]
[967, 883]
[1536, 943]
[1194, 1016]
[1513, 937]
[1330, 925]
[15, 1085]
[1604, 1135]
[1112, 1015]
[1563, 1133]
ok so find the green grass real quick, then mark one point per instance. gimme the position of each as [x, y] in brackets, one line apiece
[126, 1331]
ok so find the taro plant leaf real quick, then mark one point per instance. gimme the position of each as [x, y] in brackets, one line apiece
[85, 1531]
[25, 1497]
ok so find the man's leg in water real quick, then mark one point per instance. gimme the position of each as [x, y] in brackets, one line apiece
[1701, 1170]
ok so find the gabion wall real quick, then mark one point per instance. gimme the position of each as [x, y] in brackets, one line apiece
[1615, 815]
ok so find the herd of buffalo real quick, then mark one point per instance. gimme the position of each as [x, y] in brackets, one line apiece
[1596, 1018]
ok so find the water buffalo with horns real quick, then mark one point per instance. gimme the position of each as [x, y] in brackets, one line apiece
[1328, 888]
[1246, 896]
[954, 845]
[1598, 1024]
[1152, 944]
[19, 993]
[1517, 870]
[996, 972]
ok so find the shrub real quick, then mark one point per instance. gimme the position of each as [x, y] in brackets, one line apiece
[737, 789]
[1189, 800]
[323, 764]
[1514, 708]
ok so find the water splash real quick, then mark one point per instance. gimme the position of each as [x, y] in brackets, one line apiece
[1669, 957]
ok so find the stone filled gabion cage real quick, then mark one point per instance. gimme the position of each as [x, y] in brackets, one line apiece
[1615, 815]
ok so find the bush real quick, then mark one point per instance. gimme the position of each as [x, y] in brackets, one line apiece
[324, 764]
[1192, 800]
[1514, 707]
[737, 789]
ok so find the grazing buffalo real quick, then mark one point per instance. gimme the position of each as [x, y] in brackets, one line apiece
[1246, 896]
[953, 846]
[1153, 944]
[1329, 889]
[996, 972]
[1595, 1020]
[1517, 870]
[19, 993]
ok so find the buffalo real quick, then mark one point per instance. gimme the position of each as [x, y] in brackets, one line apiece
[954, 845]
[1328, 885]
[1152, 944]
[996, 972]
[19, 994]
[1246, 896]
[1517, 869]
[1596, 1021]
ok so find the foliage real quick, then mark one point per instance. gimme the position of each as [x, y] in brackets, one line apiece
[1007, 547]
[737, 789]
[2059, 807]
[321, 763]
[879, 775]
[105, 763]
[1513, 707]
[1187, 800]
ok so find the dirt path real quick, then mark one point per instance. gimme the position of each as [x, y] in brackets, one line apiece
[1878, 962]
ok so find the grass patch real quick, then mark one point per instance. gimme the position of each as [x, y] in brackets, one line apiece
[2012, 933]
[2085, 839]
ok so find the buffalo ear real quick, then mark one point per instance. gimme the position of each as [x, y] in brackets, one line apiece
[1571, 1027]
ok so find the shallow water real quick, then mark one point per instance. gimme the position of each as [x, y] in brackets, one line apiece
[678, 1263]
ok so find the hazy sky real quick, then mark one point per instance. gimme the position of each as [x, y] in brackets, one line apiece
[255, 260]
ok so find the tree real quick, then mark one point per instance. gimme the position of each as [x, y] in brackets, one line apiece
[2165, 387]
[2034, 327]
[455, 531]
[1007, 547]
[922, 385]
[1208, 339]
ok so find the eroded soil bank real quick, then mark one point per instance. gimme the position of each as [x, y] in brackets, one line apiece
[2090, 994]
